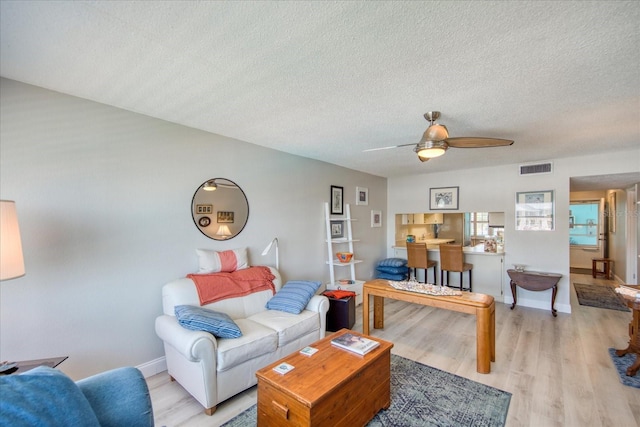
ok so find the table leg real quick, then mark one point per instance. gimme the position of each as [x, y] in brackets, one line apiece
[378, 312]
[365, 312]
[483, 340]
[513, 294]
[634, 343]
[554, 292]
[493, 331]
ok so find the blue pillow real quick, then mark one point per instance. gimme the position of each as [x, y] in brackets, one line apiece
[393, 270]
[294, 296]
[389, 276]
[44, 397]
[201, 319]
[392, 262]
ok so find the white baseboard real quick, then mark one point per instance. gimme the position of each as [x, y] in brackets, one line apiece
[153, 367]
[542, 305]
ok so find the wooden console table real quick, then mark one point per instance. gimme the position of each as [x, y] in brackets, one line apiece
[634, 334]
[480, 305]
[534, 281]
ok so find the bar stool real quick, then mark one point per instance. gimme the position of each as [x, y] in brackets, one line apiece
[452, 259]
[418, 257]
[606, 267]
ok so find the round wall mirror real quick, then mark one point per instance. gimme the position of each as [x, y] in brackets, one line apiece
[220, 209]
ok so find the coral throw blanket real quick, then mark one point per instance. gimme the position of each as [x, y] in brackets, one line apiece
[218, 286]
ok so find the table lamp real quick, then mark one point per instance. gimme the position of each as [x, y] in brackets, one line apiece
[11, 259]
[223, 231]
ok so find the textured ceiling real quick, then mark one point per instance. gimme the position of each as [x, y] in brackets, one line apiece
[327, 80]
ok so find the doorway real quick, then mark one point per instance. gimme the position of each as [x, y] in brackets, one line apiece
[624, 234]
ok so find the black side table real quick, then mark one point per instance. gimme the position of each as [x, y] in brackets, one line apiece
[341, 314]
[27, 365]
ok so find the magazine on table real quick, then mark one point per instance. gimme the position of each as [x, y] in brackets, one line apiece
[355, 343]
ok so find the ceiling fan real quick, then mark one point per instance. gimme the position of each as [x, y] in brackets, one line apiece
[435, 140]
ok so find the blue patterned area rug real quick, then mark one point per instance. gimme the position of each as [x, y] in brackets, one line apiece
[426, 396]
[621, 364]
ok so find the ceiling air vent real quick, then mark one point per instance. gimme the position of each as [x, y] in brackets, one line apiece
[536, 168]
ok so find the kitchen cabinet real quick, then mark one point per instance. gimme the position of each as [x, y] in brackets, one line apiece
[418, 218]
[433, 218]
[406, 219]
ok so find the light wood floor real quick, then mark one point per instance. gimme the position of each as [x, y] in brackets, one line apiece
[558, 369]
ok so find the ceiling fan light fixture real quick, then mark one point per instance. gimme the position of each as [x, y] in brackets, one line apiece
[210, 186]
[431, 149]
[436, 133]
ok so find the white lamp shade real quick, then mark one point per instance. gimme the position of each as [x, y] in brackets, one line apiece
[224, 231]
[11, 259]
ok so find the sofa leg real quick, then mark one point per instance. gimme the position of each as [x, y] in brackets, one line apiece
[210, 411]
[171, 378]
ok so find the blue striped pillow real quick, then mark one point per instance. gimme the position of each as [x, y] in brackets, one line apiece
[294, 296]
[201, 319]
[392, 262]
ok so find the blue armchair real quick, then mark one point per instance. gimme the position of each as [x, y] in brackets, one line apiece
[46, 396]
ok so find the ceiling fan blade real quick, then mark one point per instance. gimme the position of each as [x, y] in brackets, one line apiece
[477, 142]
[387, 148]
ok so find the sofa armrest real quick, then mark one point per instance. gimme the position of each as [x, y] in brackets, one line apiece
[119, 397]
[319, 304]
[193, 345]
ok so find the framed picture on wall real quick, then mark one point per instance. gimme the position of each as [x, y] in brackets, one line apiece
[362, 196]
[535, 211]
[337, 200]
[204, 209]
[337, 229]
[225, 217]
[443, 198]
[376, 219]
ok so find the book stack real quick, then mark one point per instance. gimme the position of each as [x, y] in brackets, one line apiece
[355, 343]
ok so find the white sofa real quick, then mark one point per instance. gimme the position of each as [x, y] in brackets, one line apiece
[214, 369]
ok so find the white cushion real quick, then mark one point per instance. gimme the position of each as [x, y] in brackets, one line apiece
[288, 326]
[255, 341]
[225, 261]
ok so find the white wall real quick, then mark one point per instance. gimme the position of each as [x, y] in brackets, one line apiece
[103, 197]
[493, 189]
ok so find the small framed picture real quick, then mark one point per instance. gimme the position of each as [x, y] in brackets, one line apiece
[225, 217]
[443, 198]
[337, 200]
[204, 221]
[362, 196]
[376, 219]
[204, 209]
[337, 229]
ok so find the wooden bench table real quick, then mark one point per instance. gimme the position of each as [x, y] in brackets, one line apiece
[480, 305]
[333, 387]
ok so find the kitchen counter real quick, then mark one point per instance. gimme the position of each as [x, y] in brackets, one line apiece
[488, 273]
[431, 243]
[476, 250]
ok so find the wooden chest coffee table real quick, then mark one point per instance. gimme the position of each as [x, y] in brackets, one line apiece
[333, 387]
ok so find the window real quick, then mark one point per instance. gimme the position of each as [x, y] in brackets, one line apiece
[479, 224]
[583, 223]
